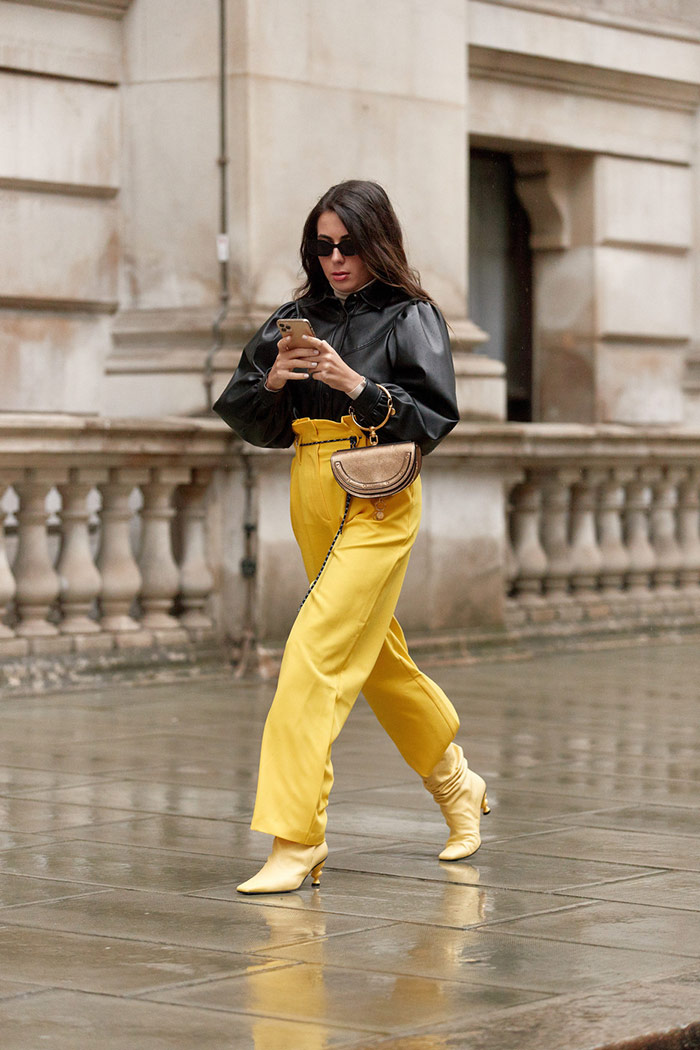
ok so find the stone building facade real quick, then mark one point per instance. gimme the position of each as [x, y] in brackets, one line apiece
[157, 158]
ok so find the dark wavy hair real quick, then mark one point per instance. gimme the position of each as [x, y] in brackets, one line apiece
[365, 210]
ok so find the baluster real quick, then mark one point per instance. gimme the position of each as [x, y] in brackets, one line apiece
[663, 530]
[196, 580]
[510, 562]
[615, 558]
[116, 564]
[529, 553]
[7, 580]
[80, 579]
[689, 529]
[37, 584]
[159, 573]
[586, 558]
[556, 499]
[641, 553]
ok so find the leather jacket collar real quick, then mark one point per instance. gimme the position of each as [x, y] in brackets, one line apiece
[376, 295]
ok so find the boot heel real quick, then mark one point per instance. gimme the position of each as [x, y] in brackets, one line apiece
[316, 874]
[485, 808]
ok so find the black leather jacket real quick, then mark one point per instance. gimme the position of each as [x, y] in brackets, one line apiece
[384, 335]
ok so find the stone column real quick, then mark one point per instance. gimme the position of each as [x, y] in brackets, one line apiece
[614, 555]
[160, 579]
[556, 506]
[527, 547]
[36, 581]
[689, 529]
[641, 553]
[196, 580]
[7, 580]
[662, 520]
[586, 557]
[121, 579]
[79, 578]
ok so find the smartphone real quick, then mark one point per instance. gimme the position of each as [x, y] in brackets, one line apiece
[296, 327]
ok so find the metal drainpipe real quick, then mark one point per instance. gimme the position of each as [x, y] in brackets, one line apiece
[248, 566]
[222, 240]
[248, 655]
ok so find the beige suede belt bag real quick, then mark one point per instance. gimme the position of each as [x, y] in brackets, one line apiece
[377, 471]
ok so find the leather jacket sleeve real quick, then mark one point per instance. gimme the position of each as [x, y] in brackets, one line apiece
[422, 383]
[402, 344]
[258, 415]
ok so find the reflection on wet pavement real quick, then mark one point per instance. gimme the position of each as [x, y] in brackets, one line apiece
[124, 832]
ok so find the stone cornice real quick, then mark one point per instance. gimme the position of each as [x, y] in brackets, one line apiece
[581, 78]
[38, 439]
[499, 445]
[638, 15]
[102, 8]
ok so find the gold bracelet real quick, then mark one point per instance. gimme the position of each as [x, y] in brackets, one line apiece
[372, 431]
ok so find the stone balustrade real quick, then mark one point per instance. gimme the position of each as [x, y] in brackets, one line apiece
[106, 543]
[169, 536]
[602, 523]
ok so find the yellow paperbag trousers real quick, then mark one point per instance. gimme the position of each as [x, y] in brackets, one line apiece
[344, 640]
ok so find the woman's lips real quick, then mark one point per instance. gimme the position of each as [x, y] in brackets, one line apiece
[340, 276]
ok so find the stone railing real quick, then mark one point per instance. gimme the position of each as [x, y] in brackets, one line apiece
[168, 536]
[602, 523]
[106, 539]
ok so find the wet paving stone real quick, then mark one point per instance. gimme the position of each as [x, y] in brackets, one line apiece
[175, 919]
[124, 832]
[617, 925]
[666, 820]
[389, 1003]
[135, 796]
[199, 835]
[583, 1022]
[484, 956]
[642, 848]
[672, 889]
[104, 864]
[508, 869]
[27, 815]
[110, 965]
[18, 889]
[423, 902]
[71, 1021]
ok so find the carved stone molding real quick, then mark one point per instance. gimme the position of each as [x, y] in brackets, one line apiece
[103, 8]
[542, 185]
[581, 78]
[671, 17]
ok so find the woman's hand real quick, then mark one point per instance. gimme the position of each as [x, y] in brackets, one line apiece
[292, 362]
[329, 367]
[316, 359]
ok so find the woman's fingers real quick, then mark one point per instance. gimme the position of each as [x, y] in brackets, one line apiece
[316, 359]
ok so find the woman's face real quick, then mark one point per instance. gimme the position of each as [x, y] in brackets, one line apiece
[346, 273]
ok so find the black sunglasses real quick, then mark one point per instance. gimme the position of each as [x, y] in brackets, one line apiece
[346, 246]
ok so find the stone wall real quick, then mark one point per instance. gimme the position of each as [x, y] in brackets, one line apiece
[112, 179]
[59, 209]
[611, 191]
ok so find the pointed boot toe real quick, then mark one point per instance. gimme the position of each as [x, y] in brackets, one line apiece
[287, 867]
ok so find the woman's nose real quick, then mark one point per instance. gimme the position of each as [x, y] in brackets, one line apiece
[337, 251]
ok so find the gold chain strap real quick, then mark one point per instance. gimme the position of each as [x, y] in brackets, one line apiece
[372, 431]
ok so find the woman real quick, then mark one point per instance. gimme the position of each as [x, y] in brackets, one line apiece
[373, 324]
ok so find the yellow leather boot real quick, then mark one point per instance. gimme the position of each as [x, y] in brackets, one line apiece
[287, 867]
[461, 795]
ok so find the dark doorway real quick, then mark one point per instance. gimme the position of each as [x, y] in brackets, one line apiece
[500, 273]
